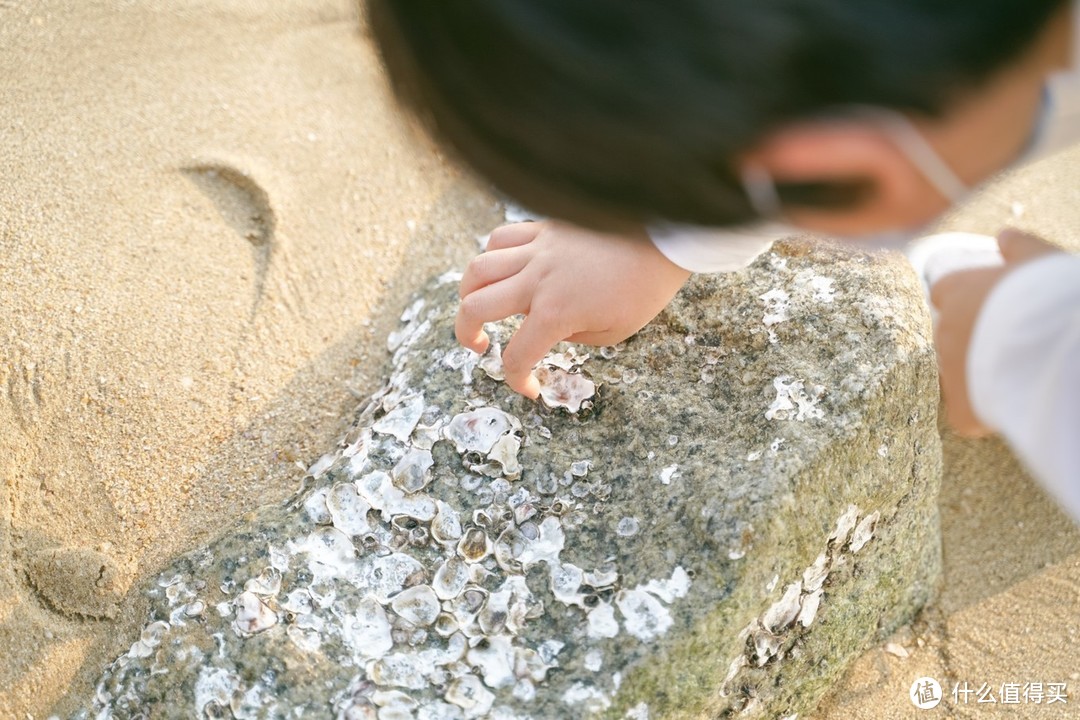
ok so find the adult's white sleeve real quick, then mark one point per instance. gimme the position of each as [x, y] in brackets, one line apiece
[706, 250]
[1023, 370]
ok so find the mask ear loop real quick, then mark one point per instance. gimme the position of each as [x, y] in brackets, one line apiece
[919, 151]
[761, 191]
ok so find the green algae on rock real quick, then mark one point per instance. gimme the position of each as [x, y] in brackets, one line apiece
[742, 500]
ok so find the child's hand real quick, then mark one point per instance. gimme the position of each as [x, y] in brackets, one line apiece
[959, 297]
[571, 284]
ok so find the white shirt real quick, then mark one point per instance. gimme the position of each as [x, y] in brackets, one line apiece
[1024, 356]
[1023, 366]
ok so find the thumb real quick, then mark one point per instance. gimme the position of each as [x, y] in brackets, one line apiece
[1018, 246]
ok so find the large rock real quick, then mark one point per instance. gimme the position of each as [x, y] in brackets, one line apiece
[746, 502]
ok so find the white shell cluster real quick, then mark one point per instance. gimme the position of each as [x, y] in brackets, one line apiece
[430, 602]
[795, 400]
[805, 285]
[801, 599]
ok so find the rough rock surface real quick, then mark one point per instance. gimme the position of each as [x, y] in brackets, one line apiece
[746, 502]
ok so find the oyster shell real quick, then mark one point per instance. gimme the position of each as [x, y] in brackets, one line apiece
[402, 419]
[445, 624]
[388, 575]
[469, 694]
[784, 611]
[348, 511]
[478, 430]
[644, 617]
[149, 639]
[412, 471]
[547, 545]
[380, 492]
[446, 525]
[450, 579]
[864, 532]
[844, 526]
[367, 632]
[505, 453]
[814, 576]
[267, 583]
[809, 608]
[561, 388]
[418, 604]
[495, 612]
[566, 581]
[315, 507]
[602, 622]
[252, 615]
[766, 646]
[494, 657]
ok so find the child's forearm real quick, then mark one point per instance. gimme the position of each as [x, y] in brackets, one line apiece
[1023, 370]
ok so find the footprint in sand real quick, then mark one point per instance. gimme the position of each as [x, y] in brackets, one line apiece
[82, 583]
[76, 581]
[22, 382]
[245, 206]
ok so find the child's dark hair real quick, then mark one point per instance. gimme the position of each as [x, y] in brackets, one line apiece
[608, 112]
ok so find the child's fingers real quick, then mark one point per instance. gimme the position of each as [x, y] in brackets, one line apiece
[959, 298]
[538, 334]
[959, 412]
[943, 289]
[1018, 246]
[488, 304]
[509, 236]
[491, 267]
[960, 286]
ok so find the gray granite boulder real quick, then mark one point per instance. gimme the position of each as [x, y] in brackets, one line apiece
[711, 520]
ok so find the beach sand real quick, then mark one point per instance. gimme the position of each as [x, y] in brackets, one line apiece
[211, 215]
[205, 204]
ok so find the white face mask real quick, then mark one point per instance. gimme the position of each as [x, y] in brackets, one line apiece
[761, 189]
[1057, 127]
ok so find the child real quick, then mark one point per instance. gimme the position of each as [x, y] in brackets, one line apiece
[651, 124]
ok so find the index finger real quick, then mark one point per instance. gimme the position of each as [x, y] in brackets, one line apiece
[959, 283]
[513, 235]
[494, 302]
[537, 335]
[1018, 246]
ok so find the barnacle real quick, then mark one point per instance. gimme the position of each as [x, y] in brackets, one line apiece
[474, 545]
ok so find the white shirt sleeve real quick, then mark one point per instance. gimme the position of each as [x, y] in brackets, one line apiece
[1023, 369]
[702, 250]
